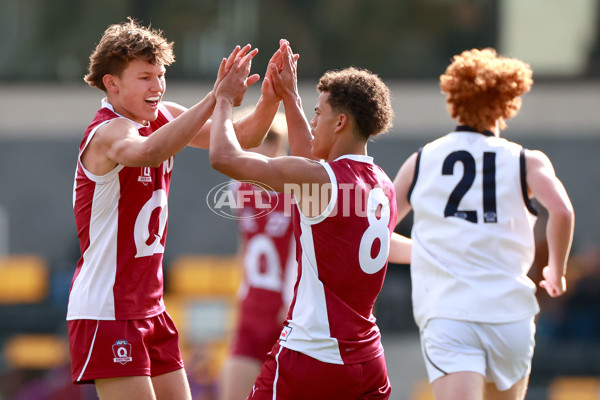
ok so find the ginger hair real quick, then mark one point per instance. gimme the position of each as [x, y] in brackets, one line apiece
[483, 88]
[363, 95]
[122, 43]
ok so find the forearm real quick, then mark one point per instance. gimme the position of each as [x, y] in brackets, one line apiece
[177, 134]
[299, 135]
[559, 235]
[224, 148]
[400, 249]
[251, 129]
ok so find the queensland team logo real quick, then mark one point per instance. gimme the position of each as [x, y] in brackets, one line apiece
[145, 175]
[122, 351]
[228, 199]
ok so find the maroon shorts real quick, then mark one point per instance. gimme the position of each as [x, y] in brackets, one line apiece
[110, 349]
[293, 375]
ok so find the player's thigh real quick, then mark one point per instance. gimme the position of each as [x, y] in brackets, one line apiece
[172, 386]
[125, 388]
[516, 392]
[459, 386]
[237, 377]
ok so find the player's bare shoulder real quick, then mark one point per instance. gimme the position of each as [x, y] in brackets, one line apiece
[537, 159]
[95, 157]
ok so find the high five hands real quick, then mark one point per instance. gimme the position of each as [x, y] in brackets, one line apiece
[233, 77]
[282, 71]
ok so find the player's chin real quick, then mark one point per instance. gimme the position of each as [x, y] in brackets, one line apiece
[152, 115]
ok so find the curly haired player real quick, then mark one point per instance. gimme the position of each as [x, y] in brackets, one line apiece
[473, 242]
[330, 345]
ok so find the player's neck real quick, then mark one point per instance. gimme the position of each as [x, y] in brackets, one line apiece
[342, 148]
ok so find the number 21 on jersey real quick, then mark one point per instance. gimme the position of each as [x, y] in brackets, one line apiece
[465, 183]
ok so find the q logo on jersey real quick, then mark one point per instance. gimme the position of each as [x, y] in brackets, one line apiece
[122, 351]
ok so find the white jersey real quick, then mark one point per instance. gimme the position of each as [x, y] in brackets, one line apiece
[473, 242]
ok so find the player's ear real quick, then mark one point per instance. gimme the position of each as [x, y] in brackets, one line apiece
[110, 83]
[342, 122]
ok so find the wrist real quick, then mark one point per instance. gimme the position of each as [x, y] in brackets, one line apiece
[291, 98]
[268, 100]
[222, 99]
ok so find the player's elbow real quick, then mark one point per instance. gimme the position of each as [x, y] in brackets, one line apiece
[248, 141]
[217, 161]
[153, 159]
[153, 154]
[222, 162]
[563, 213]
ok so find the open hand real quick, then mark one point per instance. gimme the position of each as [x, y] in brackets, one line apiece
[237, 54]
[235, 73]
[267, 89]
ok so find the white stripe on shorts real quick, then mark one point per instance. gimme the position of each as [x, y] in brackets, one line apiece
[89, 353]
[276, 373]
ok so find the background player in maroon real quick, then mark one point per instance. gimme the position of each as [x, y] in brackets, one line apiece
[268, 257]
[120, 335]
[330, 346]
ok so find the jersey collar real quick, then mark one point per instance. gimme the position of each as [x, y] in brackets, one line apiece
[466, 128]
[356, 157]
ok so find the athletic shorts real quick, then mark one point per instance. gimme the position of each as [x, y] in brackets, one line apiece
[291, 375]
[502, 353]
[255, 335]
[111, 349]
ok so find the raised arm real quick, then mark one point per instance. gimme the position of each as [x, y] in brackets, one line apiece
[285, 82]
[119, 142]
[227, 156]
[252, 128]
[550, 192]
[249, 132]
[127, 147]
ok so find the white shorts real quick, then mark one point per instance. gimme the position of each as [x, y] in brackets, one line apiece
[502, 353]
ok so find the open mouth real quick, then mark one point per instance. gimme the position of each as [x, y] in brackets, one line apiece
[153, 101]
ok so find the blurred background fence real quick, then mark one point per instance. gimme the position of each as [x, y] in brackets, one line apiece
[46, 106]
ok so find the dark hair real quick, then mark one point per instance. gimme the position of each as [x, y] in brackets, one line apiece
[361, 94]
